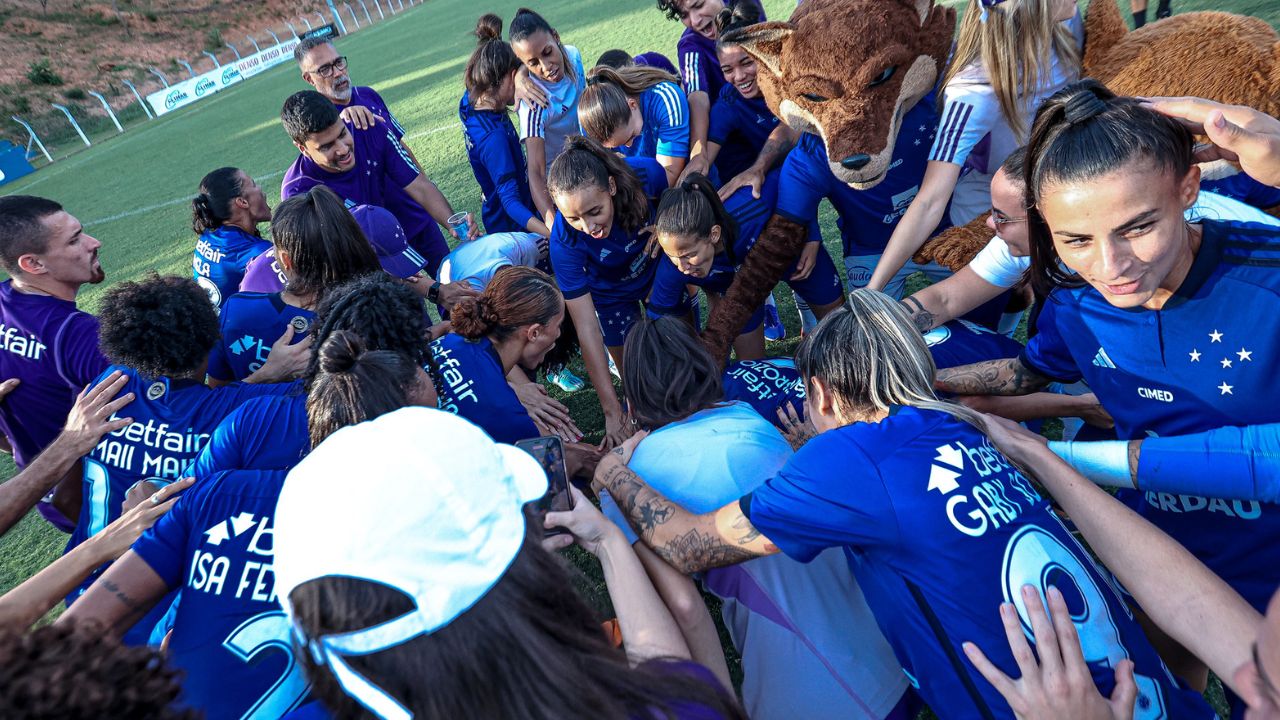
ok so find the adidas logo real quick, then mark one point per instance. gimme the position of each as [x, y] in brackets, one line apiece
[604, 253]
[1102, 360]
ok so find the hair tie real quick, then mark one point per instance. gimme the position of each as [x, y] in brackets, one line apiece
[1083, 106]
[987, 4]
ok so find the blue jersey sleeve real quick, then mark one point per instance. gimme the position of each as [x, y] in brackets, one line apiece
[219, 361]
[803, 510]
[164, 545]
[1230, 462]
[671, 116]
[722, 122]
[568, 261]
[508, 173]
[805, 180]
[667, 297]
[223, 451]
[1047, 352]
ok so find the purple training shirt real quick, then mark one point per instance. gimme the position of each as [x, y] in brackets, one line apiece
[52, 349]
[263, 274]
[368, 97]
[382, 172]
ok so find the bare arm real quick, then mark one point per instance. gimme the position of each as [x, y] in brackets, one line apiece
[426, 194]
[1037, 406]
[949, 299]
[120, 598]
[536, 156]
[27, 603]
[687, 542]
[1174, 589]
[681, 596]
[920, 219]
[89, 420]
[992, 377]
[674, 167]
[583, 311]
[699, 123]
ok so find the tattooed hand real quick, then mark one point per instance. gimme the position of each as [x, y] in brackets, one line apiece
[992, 377]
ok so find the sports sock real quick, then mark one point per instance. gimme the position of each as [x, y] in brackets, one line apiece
[1139, 18]
[1163, 10]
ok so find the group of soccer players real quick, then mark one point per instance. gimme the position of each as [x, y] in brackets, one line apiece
[289, 484]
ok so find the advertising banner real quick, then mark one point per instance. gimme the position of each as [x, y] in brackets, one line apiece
[205, 84]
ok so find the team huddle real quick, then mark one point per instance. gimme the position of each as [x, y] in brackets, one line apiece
[323, 475]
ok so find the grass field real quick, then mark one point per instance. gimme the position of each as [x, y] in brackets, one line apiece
[132, 191]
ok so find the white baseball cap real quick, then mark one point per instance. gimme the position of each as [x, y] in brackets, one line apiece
[418, 499]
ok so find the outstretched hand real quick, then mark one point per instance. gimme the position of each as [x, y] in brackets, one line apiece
[285, 361]
[90, 417]
[120, 535]
[752, 177]
[1237, 133]
[1060, 685]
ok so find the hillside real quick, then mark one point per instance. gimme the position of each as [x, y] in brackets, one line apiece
[56, 50]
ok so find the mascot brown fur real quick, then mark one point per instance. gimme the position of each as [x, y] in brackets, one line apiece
[847, 71]
[1233, 59]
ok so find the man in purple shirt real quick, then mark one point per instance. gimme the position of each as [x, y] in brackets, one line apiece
[46, 344]
[326, 71]
[369, 167]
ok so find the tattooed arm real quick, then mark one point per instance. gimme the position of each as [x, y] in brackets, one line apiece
[949, 299]
[688, 542]
[121, 597]
[991, 377]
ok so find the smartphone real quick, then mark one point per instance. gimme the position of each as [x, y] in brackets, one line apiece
[549, 453]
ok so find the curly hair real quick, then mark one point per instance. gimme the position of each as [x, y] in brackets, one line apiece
[159, 326]
[383, 311]
[74, 672]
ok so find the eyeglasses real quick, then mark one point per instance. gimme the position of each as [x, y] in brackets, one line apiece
[328, 69]
[1000, 219]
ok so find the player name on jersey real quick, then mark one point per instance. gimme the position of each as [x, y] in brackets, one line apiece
[996, 496]
[250, 579]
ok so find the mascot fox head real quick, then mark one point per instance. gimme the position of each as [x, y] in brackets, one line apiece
[820, 73]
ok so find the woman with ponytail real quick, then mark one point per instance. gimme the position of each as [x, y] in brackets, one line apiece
[600, 255]
[225, 215]
[513, 324]
[639, 111]
[353, 384]
[1158, 314]
[706, 240]
[492, 146]
[548, 86]
[1010, 55]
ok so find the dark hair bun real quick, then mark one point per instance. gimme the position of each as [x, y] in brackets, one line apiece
[340, 352]
[474, 318]
[1083, 105]
[738, 14]
[488, 27]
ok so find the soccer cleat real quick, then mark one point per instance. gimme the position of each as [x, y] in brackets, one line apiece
[566, 380]
[613, 367]
[774, 330]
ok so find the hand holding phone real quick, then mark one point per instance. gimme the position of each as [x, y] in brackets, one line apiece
[549, 452]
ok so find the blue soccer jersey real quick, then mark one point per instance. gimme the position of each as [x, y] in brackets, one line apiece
[767, 385]
[220, 258]
[1245, 189]
[471, 384]
[665, 111]
[251, 323]
[752, 214]
[230, 635]
[867, 218]
[1201, 362]
[740, 126]
[613, 268]
[265, 433]
[960, 342]
[939, 530]
[497, 162]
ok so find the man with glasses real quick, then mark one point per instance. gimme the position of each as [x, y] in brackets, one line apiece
[326, 71]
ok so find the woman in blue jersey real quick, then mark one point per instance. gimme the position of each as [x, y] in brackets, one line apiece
[1010, 55]
[1158, 315]
[513, 324]
[492, 146]
[598, 252]
[939, 528]
[549, 86]
[640, 111]
[226, 215]
[705, 241]
[318, 245]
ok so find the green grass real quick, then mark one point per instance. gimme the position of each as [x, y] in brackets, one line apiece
[132, 190]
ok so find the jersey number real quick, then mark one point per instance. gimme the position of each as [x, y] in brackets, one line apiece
[1034, 557]
[256, 635]
[99, 481]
